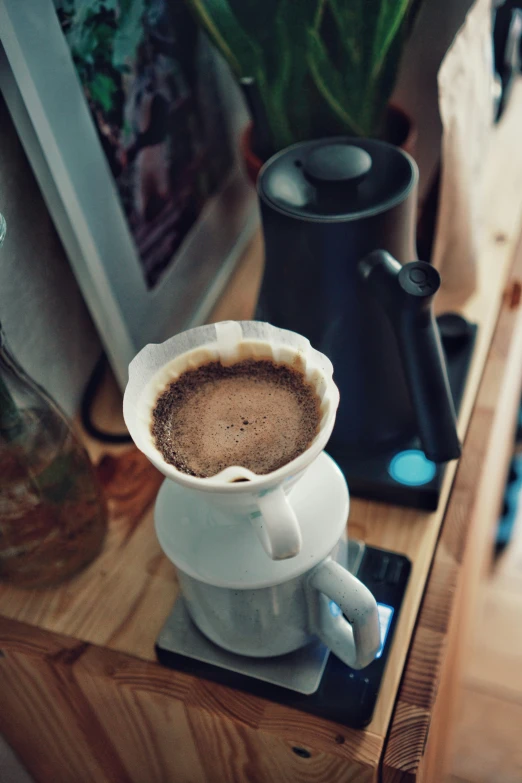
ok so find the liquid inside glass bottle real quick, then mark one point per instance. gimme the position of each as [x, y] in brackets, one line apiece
[53, 516]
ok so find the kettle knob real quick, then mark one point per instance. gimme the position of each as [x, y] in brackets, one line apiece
[419, 279]
[337, 164]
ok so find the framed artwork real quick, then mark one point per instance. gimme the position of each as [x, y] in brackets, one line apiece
[130, 122]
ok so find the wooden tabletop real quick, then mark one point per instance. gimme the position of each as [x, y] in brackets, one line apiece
[106, 620]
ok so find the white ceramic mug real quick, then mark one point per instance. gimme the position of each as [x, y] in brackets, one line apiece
[275, 620]
[261, 501]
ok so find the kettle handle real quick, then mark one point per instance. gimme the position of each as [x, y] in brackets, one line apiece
[406, 293]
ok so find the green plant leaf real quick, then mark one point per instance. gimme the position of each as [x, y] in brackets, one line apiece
[391, 15]
[292, 23]
[384, 85]
[258, 20]
[349, 18]
[321, 66]
[221, 25]
[413, 12]
[330, 82]
[266, 41]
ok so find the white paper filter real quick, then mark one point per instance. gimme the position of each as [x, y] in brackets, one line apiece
[156, 365]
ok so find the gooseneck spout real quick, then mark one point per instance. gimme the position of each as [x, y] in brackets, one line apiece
[406, 294]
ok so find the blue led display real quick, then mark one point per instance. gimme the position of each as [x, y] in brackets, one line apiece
[335, 610]
[411, 468]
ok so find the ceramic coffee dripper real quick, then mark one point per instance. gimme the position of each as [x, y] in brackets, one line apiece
[261, 501]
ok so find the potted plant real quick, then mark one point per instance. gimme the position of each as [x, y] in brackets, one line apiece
[312, 68]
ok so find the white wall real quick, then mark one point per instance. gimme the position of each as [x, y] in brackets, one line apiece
[41, 308]
[417, 91]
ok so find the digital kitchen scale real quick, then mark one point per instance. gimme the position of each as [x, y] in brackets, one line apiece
[311, 679]
[404, 476]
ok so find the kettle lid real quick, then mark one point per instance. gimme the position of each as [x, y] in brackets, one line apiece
[337, 179]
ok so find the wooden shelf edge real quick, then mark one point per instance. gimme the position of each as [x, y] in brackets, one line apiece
[492, 424]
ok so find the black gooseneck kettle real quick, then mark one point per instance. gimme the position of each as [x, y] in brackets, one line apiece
[339, 226]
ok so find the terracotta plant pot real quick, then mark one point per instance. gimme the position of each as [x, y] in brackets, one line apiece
[399, 130]
[251, 161]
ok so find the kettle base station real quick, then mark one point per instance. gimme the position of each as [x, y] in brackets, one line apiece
[402, 475]
[310, 679]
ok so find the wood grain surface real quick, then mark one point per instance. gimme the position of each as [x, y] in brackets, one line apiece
[78, 675]
[485, 745]
[420, 736]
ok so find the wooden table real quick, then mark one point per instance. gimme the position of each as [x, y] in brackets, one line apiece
[82, 697]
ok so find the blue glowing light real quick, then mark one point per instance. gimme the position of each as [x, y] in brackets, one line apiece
[411, 468]
[335, 610]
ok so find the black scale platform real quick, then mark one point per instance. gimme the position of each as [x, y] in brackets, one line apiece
[340, 694]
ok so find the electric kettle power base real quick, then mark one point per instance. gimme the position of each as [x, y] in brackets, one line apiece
[403, 476]
[310, 679]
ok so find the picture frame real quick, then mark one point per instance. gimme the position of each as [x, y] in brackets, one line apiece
[53, 119]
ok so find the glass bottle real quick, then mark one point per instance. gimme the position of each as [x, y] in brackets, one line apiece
[53, 516]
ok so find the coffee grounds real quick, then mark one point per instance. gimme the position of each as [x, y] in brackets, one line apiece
[255, 413]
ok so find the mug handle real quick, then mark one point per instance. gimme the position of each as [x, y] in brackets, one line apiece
[276, 525]
[355, 641]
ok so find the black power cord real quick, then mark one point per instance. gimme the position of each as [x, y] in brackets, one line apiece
[86, 407]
